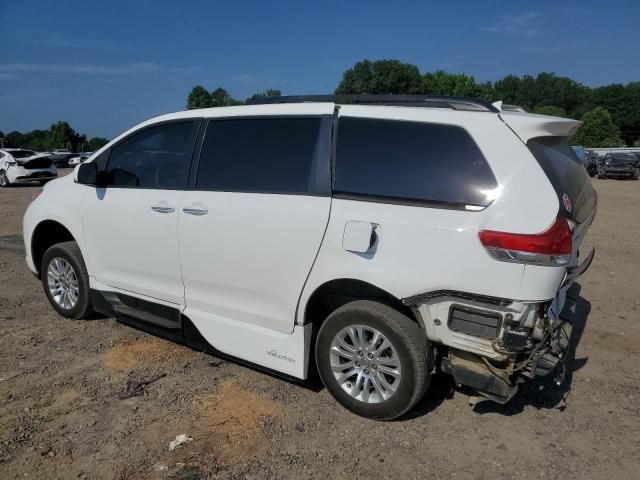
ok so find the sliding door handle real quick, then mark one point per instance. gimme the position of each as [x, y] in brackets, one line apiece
[198, 212]
[162, 208]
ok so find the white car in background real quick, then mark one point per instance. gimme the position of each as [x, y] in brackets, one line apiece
[24, 166]
[82, 157]
[376, 239]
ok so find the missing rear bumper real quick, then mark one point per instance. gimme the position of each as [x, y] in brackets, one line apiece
[472, 372]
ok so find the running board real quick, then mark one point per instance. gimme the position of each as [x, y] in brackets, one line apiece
[169, 323]
[128, 309]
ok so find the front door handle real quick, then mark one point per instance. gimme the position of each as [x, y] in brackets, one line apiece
[198, 212]
[162, 208]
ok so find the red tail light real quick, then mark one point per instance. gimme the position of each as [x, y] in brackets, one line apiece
[550, 248]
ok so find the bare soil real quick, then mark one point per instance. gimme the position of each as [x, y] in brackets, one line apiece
[66, 410]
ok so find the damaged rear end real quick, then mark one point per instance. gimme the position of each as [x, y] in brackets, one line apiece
[492, 344]
[39, 161]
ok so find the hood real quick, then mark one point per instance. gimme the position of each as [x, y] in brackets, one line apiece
[630, 160]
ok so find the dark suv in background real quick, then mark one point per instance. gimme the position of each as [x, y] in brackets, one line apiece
[591, 162]
[619, 165]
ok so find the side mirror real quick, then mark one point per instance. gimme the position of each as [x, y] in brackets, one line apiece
[88, 174]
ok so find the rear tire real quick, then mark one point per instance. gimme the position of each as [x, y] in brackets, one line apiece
[65, 280]
[387, 381]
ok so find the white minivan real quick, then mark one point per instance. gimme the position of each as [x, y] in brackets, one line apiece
[376, 239]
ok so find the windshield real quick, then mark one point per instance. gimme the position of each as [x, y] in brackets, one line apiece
[22, 153]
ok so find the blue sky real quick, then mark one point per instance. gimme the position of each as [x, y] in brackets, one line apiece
[105, 66]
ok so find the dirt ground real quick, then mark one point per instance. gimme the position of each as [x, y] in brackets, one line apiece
[63, 415]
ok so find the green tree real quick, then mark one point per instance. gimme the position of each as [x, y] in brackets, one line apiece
[63, 136]
[442, 83]
[198, 98]
[221, 98]
[623, 102]
[507, 89]
[598, 130]
[551, 110]
[95, 143]
[545, 89]
[381, 77]
[267, 93]
[486, 91]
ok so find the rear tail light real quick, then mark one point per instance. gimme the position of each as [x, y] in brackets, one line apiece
[550, 248]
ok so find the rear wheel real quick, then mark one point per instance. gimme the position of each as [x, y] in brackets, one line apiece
[66, 281]
[373, 359]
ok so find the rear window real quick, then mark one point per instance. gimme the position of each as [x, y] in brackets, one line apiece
[411, 161]
[566, 174]
[22, 153]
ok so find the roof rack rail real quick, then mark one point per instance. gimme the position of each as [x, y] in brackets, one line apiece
[430, 101]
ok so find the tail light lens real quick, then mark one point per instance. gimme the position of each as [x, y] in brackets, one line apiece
[550, 248]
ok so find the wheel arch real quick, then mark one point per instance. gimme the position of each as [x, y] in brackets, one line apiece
[332, 294]
[46, 234]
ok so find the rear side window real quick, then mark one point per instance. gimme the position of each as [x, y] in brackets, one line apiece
[156, 157]
[266, 155]
[411, 161]
[567, 175]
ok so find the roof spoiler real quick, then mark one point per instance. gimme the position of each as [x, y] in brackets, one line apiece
[529, 125]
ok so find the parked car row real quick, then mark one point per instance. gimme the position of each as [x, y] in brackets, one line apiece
[610, 165]
[18, 165]
[79, 158]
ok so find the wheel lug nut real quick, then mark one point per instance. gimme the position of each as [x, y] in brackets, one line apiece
[369, 355]
[374, 366]
[366, 372]
[357, 364]
[360, 353]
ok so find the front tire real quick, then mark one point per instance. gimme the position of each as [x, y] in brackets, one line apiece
[4, 180]
[373, 359]
[66, 281]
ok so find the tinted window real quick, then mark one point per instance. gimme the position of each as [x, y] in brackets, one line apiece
[265, 155]
[410, 161]
[157, 157]
[565, 172]
[22, 153]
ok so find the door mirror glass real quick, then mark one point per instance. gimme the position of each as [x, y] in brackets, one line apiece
[88, 174]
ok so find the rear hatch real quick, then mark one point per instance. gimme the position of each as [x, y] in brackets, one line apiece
[35, 162]
[547, 139]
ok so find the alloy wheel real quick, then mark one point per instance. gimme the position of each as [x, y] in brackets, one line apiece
[63, 283]
[365, 363]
